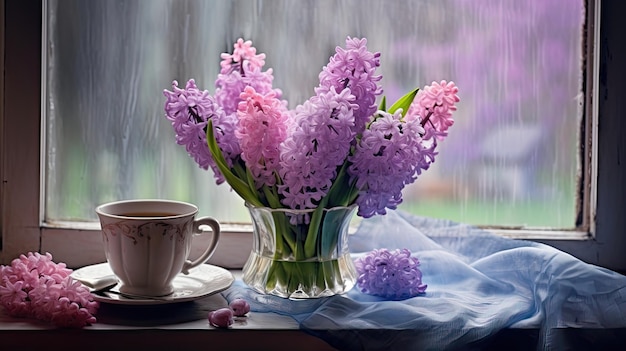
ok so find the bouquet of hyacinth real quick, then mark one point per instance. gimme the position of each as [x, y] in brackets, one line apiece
[338, 148]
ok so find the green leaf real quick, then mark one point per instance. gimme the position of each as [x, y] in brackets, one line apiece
[239, 186]
[383, 104]
[239, 169]
[249, 178]
[340, 191]
[272, 196]
[404, 102]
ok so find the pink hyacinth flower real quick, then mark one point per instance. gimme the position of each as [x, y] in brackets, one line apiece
[263, 124]
[243, 51]
[433, 107]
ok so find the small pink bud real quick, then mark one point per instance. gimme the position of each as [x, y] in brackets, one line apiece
[221, 318]
[240, 307]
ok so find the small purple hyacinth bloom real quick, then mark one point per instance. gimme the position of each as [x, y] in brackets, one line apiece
[390, 274]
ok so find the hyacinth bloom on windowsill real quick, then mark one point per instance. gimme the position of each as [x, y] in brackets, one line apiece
[340, 148]
[34, 286]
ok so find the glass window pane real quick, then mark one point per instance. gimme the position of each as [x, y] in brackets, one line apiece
[510, 158]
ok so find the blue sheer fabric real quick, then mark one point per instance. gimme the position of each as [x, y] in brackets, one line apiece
[478, 284]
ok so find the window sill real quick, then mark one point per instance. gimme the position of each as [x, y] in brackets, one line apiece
[184, 327]
[181, 326]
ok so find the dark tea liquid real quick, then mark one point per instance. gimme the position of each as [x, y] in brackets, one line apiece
[148, 214]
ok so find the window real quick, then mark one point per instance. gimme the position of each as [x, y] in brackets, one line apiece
[510, 159]
[21, 212]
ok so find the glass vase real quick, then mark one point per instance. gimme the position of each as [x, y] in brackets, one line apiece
[300, 254]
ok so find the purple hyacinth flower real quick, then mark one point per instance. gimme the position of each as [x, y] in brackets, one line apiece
[390, 274]
[354, 68]
[189, 110]
[387, 157]
[319, 142]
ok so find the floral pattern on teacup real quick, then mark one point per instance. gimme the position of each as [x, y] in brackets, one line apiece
[146, 230]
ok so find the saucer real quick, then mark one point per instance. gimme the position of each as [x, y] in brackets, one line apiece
[201, 281]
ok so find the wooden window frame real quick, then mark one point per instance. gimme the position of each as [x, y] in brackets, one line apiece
[598, 238]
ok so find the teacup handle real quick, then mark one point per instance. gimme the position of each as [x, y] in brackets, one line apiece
[212, 246]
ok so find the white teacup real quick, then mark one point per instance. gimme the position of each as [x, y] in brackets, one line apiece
[147, 242]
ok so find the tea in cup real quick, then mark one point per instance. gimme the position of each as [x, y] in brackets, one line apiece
[147, 242]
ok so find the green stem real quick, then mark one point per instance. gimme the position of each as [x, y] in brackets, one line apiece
[314, 224]
[283, 232]
[237, 184]
[271, 194]
[300, 253]
[275, 275]
[353, 193]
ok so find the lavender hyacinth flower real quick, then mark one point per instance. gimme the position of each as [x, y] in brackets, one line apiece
[318, 143]
[354, 67]
[389, 274]
[189, 109]
[387, 157]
